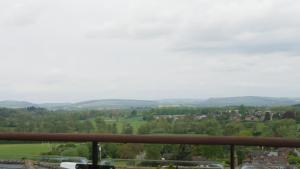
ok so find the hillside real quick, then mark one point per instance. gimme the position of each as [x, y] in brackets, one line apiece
[297, 105]
[113, 104]
[16, 104]
[131, 103]
[249, 101]
[180, 102]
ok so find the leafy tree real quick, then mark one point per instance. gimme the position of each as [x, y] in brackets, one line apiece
[100, 124]
[127, 128]
[245, 132]
[184, 152]
[70, 152]
[212, 127]
[233, 128]
[153, 151]
[259, 128]
[114, 129]
[130, 151]
[145, 129]
[284, 128]
[293, 159]
[88, 126]
[83, 150]
[133, 113]
[210, 152]
[110, 150]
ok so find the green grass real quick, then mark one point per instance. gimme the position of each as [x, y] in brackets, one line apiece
[136, 123]
[19, 151]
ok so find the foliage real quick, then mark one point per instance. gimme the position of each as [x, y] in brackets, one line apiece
[127, 129]
[294, 159]
[228, 121]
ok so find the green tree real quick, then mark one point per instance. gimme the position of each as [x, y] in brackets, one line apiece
[130, 151]
[242, 109]
[210, 152]
[100, 124]
[184, 152]
[233, 129]
[114, 128]
[83, 150]
[127, 128]
[133, 113]
[70, 152]
[153, 151]
[284, 128]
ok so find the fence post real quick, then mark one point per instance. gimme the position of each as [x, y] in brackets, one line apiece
[232, 157]
[95, 155]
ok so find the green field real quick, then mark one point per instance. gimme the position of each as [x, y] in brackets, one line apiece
[19, 151]
[135, 122]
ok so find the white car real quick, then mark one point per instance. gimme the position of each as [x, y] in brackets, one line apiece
[68, 165]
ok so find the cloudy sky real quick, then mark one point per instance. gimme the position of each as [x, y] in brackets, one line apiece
[74, 50]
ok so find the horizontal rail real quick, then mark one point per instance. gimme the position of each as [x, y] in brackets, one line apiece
[154, 139]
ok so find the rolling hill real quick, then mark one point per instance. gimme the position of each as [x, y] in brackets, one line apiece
[249, 101]
[113, 104]
[131, 103]
[16, 104]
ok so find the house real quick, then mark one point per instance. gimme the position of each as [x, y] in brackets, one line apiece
[251, 118]
[200, 117]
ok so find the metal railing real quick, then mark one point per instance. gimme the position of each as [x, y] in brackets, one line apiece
[153, 139]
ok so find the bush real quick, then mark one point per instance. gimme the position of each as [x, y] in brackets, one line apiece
[70, 152]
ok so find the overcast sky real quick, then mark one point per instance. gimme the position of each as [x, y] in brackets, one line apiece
[70, 50]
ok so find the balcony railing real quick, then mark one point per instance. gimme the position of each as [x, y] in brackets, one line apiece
[153, 139]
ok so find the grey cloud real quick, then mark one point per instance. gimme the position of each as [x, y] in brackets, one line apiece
[75, 50]
[145, 30]
[21, 14]
[240, 41]
[232, 27]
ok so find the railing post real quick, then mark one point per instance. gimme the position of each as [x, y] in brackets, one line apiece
[95, 155]
[232, 163]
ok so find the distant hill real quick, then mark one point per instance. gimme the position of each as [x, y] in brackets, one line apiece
[180, 102]
[131, 103]
[92, 104]
[249, 101]
[16, 104]
[114, 103]
[297, 105]
[55, 106]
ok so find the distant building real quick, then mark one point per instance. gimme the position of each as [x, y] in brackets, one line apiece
[200, 117]
[173, 117]
[289, 115]
[268, 116]
[251, 118]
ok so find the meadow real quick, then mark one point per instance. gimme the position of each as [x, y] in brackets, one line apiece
[21, 151]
